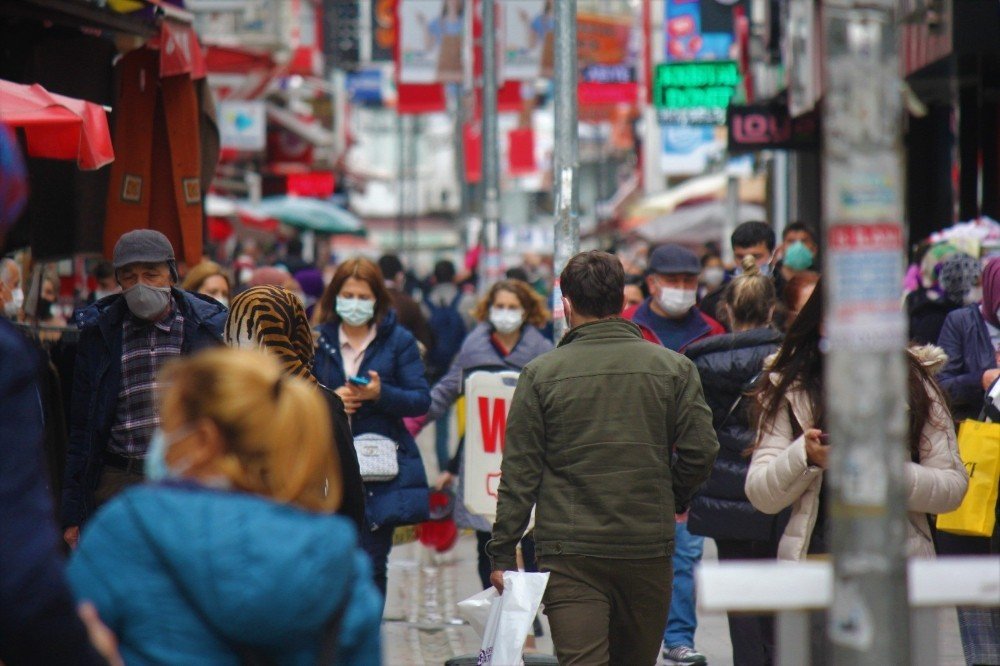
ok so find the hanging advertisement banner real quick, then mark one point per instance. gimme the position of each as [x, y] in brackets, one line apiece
[688, 149]
[700, 29]
[430, 41]
[528, 39]
[242, 125]
[384, 30]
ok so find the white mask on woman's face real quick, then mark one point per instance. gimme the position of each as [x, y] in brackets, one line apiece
[505, 320]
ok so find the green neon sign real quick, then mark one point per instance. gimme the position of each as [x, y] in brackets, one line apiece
[695, 92]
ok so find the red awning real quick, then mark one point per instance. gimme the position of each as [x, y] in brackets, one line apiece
[56, 126]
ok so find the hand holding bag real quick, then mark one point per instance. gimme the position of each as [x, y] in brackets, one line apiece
[376, 457]
[979, 447]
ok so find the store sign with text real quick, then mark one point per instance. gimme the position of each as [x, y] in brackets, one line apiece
[695, 93]
[770, 127]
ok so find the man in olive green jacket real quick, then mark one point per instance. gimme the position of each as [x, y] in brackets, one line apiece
[609, 436]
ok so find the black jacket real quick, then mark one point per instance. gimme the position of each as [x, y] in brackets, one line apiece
[727, 365]
[353, 505]
[97, 381]
[927, 316]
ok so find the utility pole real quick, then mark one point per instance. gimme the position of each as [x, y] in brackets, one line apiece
[865, 331]
[566, 156]
[489, 266]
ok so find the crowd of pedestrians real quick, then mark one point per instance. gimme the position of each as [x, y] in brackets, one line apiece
[240, 448]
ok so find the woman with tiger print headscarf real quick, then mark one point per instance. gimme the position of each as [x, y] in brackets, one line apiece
[273, 319]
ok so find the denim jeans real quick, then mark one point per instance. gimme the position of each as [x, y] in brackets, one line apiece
[682, 621]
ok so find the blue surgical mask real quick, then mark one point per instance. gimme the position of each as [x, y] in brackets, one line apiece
[155, 464]
[798, 257]
[355, 311]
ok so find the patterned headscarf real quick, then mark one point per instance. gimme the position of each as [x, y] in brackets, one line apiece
[930, 267]
[959, 274]
[273, 318]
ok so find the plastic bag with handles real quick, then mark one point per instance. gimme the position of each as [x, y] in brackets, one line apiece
[505, 620]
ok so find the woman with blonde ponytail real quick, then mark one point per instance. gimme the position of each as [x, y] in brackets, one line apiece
[233, 554]
[728, 366]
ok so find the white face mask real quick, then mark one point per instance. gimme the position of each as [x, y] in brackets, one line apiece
[355, 311]
[713, 276]
[506, 321]
[975, 295]
[13, 306]
[676, 302]
[223, 301]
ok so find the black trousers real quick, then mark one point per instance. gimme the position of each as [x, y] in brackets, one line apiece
[752, 635]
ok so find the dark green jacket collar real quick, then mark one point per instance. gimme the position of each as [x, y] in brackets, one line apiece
[613, 328]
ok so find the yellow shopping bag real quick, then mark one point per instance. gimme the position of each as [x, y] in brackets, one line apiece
[979, 446]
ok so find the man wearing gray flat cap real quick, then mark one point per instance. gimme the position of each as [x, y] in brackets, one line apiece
[124, 340]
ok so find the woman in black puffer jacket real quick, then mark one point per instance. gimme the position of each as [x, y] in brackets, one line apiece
[729, 365]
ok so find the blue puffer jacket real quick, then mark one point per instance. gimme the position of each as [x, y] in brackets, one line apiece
[478, 352]
[966, 341]
[395, 357]
[97, 379]
[727, 363]
[161, 562]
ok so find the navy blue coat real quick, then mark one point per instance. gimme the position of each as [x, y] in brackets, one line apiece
[966, 341]
[727, 364]
[395, 357]
[38, 620]
[97, 381]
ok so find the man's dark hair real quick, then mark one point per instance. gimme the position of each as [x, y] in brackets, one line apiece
[708, 256]
[594, 282]
[444, 272]
[104, 270]
[390, 265]
[798, 226]
[749, 234]
[294, 247]
[518, 273]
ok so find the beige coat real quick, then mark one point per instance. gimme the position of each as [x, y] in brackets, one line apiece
[780, 476]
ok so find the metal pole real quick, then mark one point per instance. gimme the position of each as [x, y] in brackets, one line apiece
[566, 154]
[732, 217]
[865, 331]
[489, 266]
[779, 176]
[401, 180]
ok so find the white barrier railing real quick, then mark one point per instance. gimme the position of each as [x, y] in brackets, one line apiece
[791, 590]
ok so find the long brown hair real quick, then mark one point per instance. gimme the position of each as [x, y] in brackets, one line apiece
[359, 268]
[799, 365]
[535, 312]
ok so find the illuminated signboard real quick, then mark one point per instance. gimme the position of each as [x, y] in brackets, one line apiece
[696, 92]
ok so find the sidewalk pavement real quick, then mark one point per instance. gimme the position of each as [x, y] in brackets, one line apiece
[421, 624]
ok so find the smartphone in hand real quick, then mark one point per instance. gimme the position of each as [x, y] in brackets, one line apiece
[359, 380]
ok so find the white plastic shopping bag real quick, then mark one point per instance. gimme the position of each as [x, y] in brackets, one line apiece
[510, 617]
[476, 609]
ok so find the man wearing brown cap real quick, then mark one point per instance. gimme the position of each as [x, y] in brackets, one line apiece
[124, 340]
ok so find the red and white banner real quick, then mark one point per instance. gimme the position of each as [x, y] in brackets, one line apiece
[487, 398]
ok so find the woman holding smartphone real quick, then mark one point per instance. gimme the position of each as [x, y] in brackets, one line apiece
[792, 450]
[376, 365]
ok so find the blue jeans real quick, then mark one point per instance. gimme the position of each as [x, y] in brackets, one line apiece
[441, 439]
[682, 621]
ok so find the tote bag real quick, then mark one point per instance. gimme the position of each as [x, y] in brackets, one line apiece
[979, 446]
